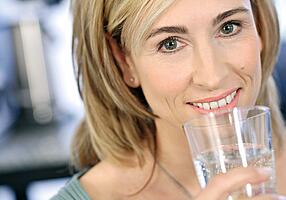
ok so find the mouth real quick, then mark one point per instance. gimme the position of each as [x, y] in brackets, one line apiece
[226, 101]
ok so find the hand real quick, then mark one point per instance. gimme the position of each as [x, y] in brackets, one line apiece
[222, 185]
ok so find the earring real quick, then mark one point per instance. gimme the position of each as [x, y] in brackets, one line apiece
[132, 79]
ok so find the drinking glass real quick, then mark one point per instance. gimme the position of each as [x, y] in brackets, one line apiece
[240, 137]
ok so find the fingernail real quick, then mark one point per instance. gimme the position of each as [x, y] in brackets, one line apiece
[265, 171]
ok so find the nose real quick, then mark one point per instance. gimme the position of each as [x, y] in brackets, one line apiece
[210, 71]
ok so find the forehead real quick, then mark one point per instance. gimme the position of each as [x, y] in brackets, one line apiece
[182, 11]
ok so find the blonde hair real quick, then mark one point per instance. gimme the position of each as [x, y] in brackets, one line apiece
[118, 120]
[268, 29]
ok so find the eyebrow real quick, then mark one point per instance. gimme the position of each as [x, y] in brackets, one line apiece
[184, 30]
[229, 13]
[168, 29]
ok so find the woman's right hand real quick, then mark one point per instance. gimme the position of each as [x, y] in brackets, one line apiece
[222, 185]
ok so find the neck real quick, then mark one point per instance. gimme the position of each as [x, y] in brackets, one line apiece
[171, 142]
[174, 154]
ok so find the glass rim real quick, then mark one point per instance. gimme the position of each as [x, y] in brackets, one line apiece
[264, 110]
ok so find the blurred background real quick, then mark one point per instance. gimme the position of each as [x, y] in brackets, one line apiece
[39, 102]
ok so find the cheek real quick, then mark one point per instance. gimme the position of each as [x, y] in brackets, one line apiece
[252, 64]
[249, 68]
[161, 83]
[245, 56]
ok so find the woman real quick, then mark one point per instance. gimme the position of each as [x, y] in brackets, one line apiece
[145, 67]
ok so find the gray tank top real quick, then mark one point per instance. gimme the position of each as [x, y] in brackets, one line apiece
[72, 190]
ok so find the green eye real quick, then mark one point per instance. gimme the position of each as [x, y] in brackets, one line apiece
[228, 29]
[170, 44]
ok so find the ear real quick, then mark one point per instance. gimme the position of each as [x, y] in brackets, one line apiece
[126, 65]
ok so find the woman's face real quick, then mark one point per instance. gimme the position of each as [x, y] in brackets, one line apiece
[200, 56]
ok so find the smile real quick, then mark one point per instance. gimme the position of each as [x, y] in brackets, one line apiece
[223, 102]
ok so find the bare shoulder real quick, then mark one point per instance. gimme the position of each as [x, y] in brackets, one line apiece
[98, 182]
[280, 171]
[109, 181]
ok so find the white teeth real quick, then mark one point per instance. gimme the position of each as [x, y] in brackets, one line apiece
[221, 103]
[233, 94]
[206, 106]
[216, 104]
[228, 99]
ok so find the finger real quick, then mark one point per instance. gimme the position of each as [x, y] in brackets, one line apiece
[222, 185]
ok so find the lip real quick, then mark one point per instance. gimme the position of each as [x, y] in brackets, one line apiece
[210, 99]
[231, 105]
